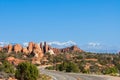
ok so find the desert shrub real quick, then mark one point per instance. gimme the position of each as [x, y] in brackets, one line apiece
[110, 70]
[26, 71]
[7, 67]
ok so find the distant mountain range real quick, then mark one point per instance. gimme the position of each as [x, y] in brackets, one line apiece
[57, 44]
[90, 47]
[100, 48]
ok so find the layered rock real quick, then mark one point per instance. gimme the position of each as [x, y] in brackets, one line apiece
[17, 48]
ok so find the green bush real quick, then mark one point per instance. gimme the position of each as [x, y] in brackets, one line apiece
[86, 71]
[68, 67]
[7, 67]
[50, 68]
[72, 67]
[111, 70]
[26, 71]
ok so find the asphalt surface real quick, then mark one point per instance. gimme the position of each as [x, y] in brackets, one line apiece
[56, 75]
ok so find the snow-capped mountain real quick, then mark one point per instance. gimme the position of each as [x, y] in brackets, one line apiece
[100, 48]
[58, 44]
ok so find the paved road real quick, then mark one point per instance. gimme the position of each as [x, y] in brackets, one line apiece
[75, 76]
[57, 75]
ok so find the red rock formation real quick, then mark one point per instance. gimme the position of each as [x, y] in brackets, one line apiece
[41, 46]
[75, 48]
[40, 50]
[38, 54]
[65, 49]
[10, 47]
[17, 48]
[56, 50]
[46, 48]
[72, 49]
[25, 50]
[30, 47]
[37, 50]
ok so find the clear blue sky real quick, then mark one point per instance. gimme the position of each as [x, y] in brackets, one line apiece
[82, 21]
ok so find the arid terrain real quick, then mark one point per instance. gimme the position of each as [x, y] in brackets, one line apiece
[68, 63]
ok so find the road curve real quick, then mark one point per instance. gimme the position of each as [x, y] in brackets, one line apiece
[75, 76]
[57, 75]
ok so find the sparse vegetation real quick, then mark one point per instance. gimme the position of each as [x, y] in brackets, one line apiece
[97, 63]
[26, 71]
[7, 67]
[84, 62]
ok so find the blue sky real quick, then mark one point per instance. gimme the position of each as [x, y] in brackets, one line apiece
[82, 21]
